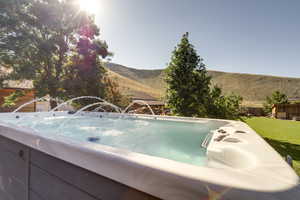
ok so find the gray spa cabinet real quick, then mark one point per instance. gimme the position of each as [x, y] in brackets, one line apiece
[28, 174]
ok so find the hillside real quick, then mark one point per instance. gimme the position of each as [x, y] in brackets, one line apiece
[134, 88]
[253, 88]
[152, 78]
[150, 83]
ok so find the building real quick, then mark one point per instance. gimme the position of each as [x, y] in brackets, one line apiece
[294, 99]
[252, 111]
[286, 111]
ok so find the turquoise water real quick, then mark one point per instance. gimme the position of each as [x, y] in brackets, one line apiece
[179, 141]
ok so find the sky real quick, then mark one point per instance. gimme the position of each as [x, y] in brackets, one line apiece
[253, 36]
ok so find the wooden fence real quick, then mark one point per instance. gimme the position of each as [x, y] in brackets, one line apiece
[286, 111]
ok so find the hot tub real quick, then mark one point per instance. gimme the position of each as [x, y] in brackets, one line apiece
[56, 155]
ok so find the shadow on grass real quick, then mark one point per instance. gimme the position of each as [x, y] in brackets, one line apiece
[285, 148]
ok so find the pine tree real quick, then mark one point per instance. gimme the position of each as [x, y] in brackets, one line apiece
[188, 84]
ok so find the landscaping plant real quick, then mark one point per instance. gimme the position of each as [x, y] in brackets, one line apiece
[276, 98]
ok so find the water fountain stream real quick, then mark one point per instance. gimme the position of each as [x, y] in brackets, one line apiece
[87, 97]
[141, 102]
[94, 104]
[102, 103]
[45, 98]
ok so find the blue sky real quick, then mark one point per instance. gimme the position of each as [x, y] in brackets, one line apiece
[253, 36]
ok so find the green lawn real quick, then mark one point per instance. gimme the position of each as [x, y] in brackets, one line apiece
[282, 135]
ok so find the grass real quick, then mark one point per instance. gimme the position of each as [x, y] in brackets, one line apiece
[282, 135]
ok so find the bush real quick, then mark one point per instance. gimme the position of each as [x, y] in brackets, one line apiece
[276, 98]
[225, 107]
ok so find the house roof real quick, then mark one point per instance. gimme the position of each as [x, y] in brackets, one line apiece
[21, 84]
[25, 84]
[294, 99]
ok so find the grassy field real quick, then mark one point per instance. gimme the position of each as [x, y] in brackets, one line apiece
[282, 135]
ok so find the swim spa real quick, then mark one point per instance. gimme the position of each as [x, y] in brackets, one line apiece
[126, 156]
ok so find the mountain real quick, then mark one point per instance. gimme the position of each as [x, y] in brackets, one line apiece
[150, 84]
[253, 88]
[135, 88]
[152, 78]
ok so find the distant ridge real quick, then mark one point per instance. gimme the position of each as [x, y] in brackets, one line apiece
[253, 88]
[150, 84]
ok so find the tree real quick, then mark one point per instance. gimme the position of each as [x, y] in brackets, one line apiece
[2, 77]
[276, 98]
[84, 73]
[37, 39]
[221, 106]
[113, 94]
[189, 89]
[187, 81]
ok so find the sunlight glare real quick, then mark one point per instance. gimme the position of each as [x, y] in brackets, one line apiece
[90, 6]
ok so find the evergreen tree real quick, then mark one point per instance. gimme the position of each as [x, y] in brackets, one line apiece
[187, 81]
[189, 91]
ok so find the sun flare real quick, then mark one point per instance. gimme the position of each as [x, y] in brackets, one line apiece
[90, 6]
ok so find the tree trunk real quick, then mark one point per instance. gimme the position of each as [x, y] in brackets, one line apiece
[53, 104]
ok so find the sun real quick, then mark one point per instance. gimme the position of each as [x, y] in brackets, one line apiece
[89, 6]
